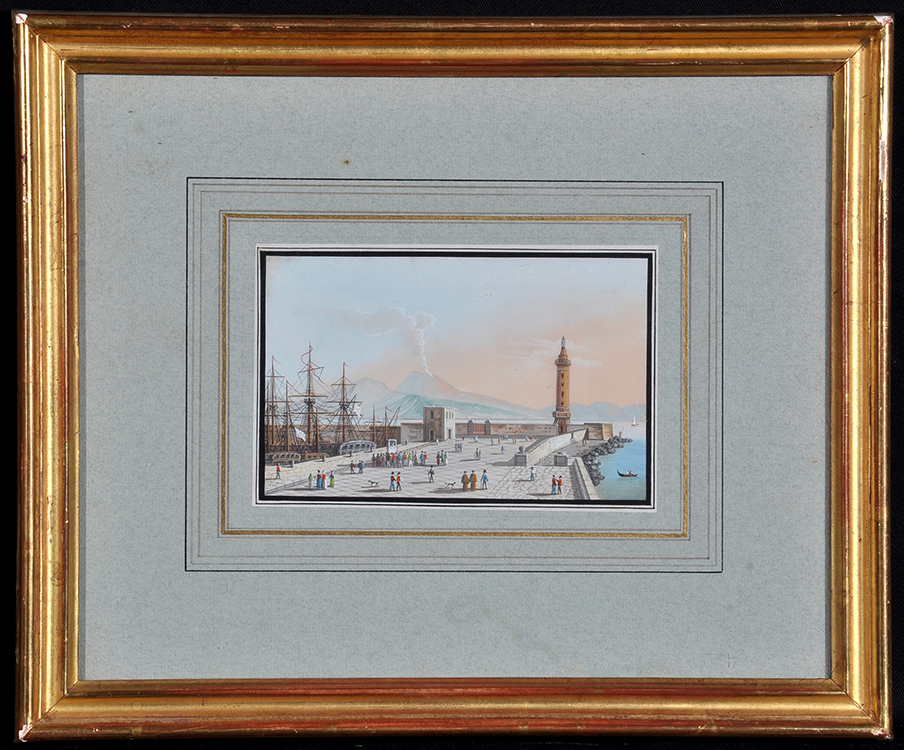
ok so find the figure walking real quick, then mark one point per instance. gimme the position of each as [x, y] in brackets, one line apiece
[464, 481]
[277, 471]
[484, 480]
[392, 483]
[473, 481]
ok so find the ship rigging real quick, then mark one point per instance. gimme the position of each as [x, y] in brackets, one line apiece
[307, 418]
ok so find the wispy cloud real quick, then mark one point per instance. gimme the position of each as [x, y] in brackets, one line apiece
[386, 321]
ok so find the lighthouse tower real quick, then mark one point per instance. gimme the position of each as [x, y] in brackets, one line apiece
[561, 415]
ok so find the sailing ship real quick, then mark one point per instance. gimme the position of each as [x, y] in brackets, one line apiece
[307, 419]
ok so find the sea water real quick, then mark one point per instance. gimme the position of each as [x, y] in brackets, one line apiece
[631, 457]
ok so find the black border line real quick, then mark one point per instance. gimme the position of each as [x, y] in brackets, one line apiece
[425, 252]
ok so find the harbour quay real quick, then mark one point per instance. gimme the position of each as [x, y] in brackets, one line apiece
[434, 471]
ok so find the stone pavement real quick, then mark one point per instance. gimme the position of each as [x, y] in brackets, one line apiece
[516, 484]
[506, 481]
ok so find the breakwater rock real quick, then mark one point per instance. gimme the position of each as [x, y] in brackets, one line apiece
[603, 449]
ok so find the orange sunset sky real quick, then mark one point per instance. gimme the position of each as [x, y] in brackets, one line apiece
[486, 325]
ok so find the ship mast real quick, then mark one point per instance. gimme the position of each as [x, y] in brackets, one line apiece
[272, 409]
[309, 397]
[387, 420]
[289, 425]
[347, 411]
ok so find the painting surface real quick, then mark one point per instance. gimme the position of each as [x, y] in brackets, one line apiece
[503, 376]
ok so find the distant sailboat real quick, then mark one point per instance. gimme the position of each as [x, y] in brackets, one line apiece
[633, 420]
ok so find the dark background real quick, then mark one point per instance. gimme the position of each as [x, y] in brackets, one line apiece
[478, 8]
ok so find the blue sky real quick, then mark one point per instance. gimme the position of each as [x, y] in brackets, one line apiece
[488, 325]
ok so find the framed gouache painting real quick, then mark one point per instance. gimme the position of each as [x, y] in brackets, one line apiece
[385, 375]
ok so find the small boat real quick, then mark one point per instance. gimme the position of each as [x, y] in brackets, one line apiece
[634, 420]
[629, 474]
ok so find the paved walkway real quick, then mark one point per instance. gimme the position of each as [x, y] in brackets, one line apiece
[506, 481]
[516, 484]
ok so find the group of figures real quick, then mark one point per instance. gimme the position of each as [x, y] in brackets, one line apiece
[321, 480]
[405, 458]
[395, 480]
[469, 482]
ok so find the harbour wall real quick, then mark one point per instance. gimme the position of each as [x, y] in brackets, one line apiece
[580, 479]
[540, 449]
[583, 484]
[514, 429]
[412, 432]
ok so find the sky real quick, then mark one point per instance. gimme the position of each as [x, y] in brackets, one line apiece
[486, 325]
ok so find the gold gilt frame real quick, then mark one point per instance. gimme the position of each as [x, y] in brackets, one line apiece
[51, 53]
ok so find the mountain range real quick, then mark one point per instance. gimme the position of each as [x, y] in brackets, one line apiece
[420, 390]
